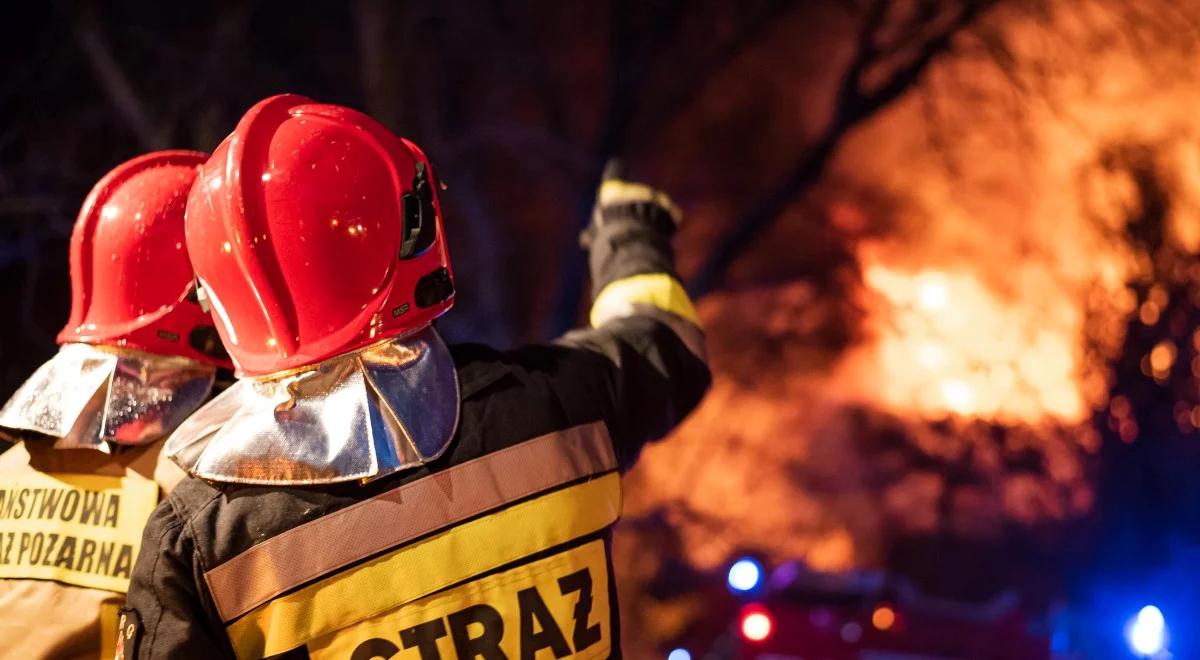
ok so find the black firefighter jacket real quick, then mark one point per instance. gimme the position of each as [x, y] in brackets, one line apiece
[498, 549]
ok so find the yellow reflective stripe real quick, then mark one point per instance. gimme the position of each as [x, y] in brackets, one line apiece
[427, 566]
[655, 289]
[387, 521]
[617, 191]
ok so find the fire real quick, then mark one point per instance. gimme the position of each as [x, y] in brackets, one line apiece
[945, 380]
[943, 344]
[932, 292]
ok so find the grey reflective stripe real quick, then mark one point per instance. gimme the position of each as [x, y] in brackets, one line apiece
[364, 529]
[691, 335]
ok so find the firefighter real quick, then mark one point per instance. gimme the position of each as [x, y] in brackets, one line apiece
[364, 490]
[137, 356]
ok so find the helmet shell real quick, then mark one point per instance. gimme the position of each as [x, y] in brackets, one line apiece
[131, 278]
[297, 227]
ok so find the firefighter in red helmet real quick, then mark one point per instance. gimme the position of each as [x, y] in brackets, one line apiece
[365, 490]
[137, 356]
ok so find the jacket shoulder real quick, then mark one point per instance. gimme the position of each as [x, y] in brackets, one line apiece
[191, 496]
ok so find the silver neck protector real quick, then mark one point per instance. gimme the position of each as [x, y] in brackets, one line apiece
[359, 416]
[95, 397]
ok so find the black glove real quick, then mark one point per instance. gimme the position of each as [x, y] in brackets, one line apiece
[636, 205]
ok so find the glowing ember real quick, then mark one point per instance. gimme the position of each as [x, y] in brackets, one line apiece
[1162, 358]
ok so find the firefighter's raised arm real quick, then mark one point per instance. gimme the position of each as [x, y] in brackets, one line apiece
[643, 324]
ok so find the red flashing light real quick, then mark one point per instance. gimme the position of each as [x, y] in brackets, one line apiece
[757, 623]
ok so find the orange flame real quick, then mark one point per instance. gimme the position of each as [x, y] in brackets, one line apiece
[944, 344]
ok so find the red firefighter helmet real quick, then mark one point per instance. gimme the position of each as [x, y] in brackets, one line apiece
[131, 280]
[315, 231]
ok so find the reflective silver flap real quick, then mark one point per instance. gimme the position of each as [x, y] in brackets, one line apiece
[88, 397]
[149, 395]
[359, 416]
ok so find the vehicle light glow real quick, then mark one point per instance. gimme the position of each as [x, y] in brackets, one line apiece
[1147, 633]
[756, 625]
[745, 575]
[883, 618]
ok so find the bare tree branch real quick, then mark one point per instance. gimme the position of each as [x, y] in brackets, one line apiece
[375, 55]
[200, 106]
[694, 81]
[535, 60]
[854, 105]
[626, 74]
[630, 64]
[116, 85]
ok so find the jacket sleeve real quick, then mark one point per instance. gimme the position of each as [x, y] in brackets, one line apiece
[645, 338]
[165, 596]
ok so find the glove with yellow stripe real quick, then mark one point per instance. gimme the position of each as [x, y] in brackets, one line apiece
[622, 201]
[630, 231]
[642, 322]
[631, 260]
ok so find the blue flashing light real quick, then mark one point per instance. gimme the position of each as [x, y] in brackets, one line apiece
[1060, 641]
[745, 575]
[1147, 633]
[679, 654]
